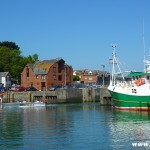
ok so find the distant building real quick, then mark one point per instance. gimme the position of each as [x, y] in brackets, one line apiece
[5, 79]
[43, 74]
[90, 77]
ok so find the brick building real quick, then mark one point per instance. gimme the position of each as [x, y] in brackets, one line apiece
[91, 77]
[43, 74]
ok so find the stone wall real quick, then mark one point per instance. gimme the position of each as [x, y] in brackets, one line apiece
[91, 94]
[61, 96]
[105, 97]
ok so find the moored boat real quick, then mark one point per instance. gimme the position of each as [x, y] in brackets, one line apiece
[132, 91]
[34, 104]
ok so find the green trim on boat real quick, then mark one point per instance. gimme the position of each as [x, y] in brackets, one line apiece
[124, 100]
[133, 74]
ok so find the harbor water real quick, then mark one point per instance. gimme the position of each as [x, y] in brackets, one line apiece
[87, 126]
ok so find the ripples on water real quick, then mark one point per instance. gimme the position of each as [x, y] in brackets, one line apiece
[71, 127]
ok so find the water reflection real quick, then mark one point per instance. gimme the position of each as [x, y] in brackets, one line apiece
[71, 126]
[11, 128]
[128, 127]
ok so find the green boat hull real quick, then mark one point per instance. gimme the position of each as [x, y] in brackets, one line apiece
[132, 102]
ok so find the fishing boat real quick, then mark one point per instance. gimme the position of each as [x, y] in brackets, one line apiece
[130, 91]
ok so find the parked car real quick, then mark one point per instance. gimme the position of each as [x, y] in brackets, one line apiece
[31, 89]
[54, 87]
[18, 89]
[79, 85]
[14, 86]
[68, 86]
[2, 88]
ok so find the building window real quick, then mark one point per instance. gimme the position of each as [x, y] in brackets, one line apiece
[36, 76]
[60, 78]
[27, 73]
[54, 69]
[54, 77]
[7, 78]
[43, 77]
[66, 69]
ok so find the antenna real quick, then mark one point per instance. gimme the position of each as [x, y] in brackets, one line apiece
[144, 44]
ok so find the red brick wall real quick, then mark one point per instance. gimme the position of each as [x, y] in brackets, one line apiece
[88, 78]
[26, 82]
[49, 78]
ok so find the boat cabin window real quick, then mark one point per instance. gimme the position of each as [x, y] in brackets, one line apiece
[128, 79]
[133, 90]
[147, 77]
[134, 78]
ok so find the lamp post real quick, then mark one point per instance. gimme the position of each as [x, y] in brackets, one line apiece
[7, 89]
[103, 74]
[65, 76]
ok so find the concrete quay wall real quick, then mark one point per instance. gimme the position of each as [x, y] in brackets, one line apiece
[61, 96]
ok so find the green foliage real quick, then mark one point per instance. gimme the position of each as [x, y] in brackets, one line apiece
[11, 60]
[76, 78]
[33, 58]
[10, 45]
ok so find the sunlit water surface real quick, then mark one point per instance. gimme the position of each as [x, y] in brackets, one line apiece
[85, 126]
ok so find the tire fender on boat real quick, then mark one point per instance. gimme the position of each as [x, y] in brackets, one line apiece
[142, 81]
[1, 99]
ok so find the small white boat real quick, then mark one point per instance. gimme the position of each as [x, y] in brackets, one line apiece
[34, 104]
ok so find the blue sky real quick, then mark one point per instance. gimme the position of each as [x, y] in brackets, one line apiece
[79, 31]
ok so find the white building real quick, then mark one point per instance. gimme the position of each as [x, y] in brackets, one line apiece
[5, 79]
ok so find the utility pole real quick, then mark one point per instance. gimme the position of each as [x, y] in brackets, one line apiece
[103, 75]
[7, 79]
[65, 76]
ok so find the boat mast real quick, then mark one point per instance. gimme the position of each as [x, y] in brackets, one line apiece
[144, 48]
[146, 61]
[113, 63]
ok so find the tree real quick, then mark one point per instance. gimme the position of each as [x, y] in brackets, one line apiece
[76, 78]
[33, 58]
[12, 61]
[10, 45]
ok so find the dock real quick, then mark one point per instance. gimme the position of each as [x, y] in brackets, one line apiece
[71, 95]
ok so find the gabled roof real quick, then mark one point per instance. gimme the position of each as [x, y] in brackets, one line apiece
[42, 67]
[3, 74]
[31, 66]
[87, 71]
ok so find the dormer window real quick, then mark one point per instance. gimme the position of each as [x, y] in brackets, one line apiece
[43, 77]
[36, 76]
[54, 69]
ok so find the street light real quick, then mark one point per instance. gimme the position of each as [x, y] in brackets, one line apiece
[65, 75]
[7, 83]
[103, 73]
